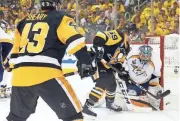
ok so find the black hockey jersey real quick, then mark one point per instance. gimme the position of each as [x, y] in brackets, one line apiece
[111, 41]
[40, 44]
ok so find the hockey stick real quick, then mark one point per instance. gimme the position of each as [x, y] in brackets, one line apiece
[125, 95]
[70, 74]
[159, 96]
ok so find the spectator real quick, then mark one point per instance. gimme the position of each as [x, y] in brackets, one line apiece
[120, 7]
[19, 18]
[106, 5]
[175, 24]
[137, 14]
[168, 3]
[71, 5]
[138, 23]
[155, 3]
[165, 30]
[84, 20]
[73, 13]
[157, 9]
[109, 12]
[176, 7]
[122, 23]
[172, 14]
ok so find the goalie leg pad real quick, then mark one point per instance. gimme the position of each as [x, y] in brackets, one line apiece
[154, 90]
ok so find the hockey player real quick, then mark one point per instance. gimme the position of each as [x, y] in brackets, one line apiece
[144, 67]
[5, 48]
[112, 46]
[39, 45]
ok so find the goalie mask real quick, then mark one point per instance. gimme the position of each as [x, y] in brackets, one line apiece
[145, 53]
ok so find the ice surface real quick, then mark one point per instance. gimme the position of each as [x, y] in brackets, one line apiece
[82, 88]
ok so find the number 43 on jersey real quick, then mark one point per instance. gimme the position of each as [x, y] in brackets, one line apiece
[39, 39]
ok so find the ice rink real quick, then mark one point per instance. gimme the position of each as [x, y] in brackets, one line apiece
[82, 87]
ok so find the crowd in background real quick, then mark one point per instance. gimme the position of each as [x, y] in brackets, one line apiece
[102, 15]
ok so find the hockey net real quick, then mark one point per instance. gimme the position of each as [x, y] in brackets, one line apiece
[167, 47]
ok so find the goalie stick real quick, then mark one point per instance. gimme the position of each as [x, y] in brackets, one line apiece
[159, 96]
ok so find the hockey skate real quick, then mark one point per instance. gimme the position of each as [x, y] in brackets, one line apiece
[112, 106]
[87, 110]
[2, 91]
[5, 92]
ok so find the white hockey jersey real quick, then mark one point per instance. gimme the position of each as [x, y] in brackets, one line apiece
[141, 73]
[4, 37]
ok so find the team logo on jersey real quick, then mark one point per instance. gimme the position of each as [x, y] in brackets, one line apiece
[138, 71]
[74, 25]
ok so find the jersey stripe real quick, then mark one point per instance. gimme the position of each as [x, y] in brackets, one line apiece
[36, 59]
[70, 93]
[76, 45]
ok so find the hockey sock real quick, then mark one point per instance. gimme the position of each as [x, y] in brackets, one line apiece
[96, 94]
[110, 96]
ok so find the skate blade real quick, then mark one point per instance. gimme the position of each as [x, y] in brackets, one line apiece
[89, 117]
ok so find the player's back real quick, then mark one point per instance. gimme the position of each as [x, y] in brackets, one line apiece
[39, 47]
[39, 33]
[110, 40]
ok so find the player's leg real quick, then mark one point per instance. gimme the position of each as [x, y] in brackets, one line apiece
[105, 81]
[23, 103]
[2, 87]
[110, 93]
[97, 92]
[60, 96]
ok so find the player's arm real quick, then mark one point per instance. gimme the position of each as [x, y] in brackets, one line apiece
[6, 46]
[100, 39]
[75, 41]
[16, 45]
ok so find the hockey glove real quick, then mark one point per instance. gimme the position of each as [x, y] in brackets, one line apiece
[124, 76]
[6, 65]
[99, 52]
[86, 70]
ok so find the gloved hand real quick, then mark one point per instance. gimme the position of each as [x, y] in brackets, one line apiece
[124, 76]
[6, 65]
[86, 70]
[99, 52]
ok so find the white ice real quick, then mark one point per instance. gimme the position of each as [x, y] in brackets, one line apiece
[82, 88]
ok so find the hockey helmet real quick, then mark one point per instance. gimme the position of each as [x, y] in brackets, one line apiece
[49, 3]
[132, 31]
[145, 53]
